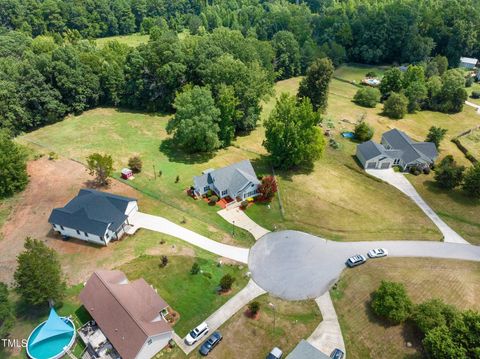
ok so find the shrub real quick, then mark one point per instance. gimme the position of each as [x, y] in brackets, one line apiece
[391, 301]
[135, 164]
[160, 173]
[426, 170]
[52, 156]
[371, 74]
[471, 183]
[226, 282]
[363, 132]
[469, 81]
[268, 188]
[396, 106]
[254, 307]
[244, 205]
[177, 179]
[195, 268]
[163, 262]
[213, 200]
[448, 174]
[475, 94]
[367, 97]
[432, 314]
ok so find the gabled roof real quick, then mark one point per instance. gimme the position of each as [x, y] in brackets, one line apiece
[410, 150]
[92, 212]
[233, 178]
[468, 60]
[304, 350]
[128, 313]
[370, 149]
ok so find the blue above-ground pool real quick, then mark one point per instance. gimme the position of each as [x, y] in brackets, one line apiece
[348, 134]
[52, 338]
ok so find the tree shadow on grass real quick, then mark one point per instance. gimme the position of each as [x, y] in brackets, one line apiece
[456, 195]
[176, 154]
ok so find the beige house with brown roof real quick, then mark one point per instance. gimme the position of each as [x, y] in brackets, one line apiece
[130, 314]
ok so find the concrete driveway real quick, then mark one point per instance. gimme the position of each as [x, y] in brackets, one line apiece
[399, 181]
[295, 265]
[328, 335]
[162, 225]
[224, 313]
[238, 218]
[474, 105]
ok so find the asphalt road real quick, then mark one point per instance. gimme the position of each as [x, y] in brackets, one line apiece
[295, 265]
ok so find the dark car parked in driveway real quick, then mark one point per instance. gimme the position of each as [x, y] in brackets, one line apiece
[337, 354]
[210, 343]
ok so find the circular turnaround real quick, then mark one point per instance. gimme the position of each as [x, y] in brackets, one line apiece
[53, 346]
[294, 265]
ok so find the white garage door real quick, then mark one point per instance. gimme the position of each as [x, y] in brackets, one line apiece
[385, 165]
[371, 165]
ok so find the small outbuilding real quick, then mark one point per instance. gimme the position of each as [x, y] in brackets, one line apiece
[127, 173]
[468, 62]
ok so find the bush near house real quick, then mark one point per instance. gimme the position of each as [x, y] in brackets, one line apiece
[268, 188]
[135, 164]
[226, 283]
[254, 308]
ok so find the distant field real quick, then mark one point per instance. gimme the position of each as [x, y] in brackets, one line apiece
[133, 40]
[456, 282]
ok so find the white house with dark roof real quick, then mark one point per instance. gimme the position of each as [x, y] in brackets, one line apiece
[94, 216]
[396, 149]
[468, 62]
[237, 181]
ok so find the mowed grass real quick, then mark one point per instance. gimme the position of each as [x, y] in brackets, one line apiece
[474, 87]
[366, 336]
[132, 40]
[254, 338]
[460, 211]
[194, 297]
[472, 143]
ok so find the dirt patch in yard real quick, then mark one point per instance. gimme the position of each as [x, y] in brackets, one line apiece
[52, 184]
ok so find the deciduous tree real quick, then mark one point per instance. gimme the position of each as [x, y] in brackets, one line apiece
[13, 166]
[100, 166]
[316, 83]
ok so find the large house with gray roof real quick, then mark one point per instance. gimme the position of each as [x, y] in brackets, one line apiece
[237, 181]
[94, 216]
[396, 149]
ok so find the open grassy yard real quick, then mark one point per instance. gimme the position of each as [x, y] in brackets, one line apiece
[194, 297]
[472, 143]
[475, 87]
[132, 40]
[456, 282]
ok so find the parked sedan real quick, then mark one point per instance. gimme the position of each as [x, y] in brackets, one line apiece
[211, 343]
[377, 253]
[337, 354]
[356, 260]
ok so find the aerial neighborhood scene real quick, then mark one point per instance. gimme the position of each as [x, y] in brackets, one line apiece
[279, 179]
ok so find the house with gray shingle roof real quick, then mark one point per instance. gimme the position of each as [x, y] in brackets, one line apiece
[396, 149]
[237, 181]
[94, 216]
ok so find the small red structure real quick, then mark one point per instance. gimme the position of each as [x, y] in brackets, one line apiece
[127, 173]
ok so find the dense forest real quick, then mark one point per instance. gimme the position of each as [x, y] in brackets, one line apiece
[237, 48]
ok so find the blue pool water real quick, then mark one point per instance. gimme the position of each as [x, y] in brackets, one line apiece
[51, 347]
[348, 134]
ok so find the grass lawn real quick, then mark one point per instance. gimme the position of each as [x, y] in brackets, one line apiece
[6, 207]
[472, 143]
[132, 40]
[474, 87]
[194, 297]
[456, 282]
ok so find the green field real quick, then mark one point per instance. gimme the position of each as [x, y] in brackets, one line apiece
[472, 143]
[133, 40]
[194, 297]
[367, 336]
[475, 87]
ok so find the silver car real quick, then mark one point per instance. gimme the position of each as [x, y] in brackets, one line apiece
[356, 260]
[377, 253]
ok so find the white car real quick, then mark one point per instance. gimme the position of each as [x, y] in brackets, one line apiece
[356, 260]
[377, 253]
[196, 334]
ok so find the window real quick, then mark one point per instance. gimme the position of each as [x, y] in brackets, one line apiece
[86, 234]
[224, 193]
[54, 226]
[206, 188]
[78, 232]
[62, 228]
[150, 341]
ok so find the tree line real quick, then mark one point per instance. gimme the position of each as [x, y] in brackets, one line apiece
[369, 31]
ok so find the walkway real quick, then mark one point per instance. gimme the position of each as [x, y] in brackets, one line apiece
[399, 181]
[238, 218]
[162, 225]
[216, 320]
[328, 335]
[295, 265]
[474, 105]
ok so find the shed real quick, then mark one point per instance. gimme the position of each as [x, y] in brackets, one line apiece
[468, 62]
[127, 173]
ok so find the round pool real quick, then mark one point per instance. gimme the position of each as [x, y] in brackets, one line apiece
[53, 347]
